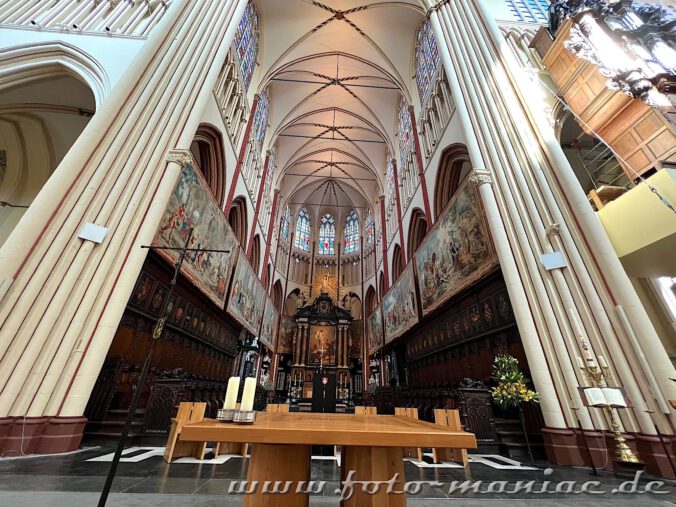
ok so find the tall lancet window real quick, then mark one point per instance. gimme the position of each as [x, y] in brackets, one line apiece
[351, 232]
[369, 227]
[391, 183]
[405, 135]
[286, 220]
[260, 122]
[246, 44]
[303, 227]
[426, 61]
[327, 235]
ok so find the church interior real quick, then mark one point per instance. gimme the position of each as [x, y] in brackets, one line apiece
[248, 240]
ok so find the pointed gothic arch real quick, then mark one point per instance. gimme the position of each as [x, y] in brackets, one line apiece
[397, 265]
[256, 253]
[417, 230]
[237, 218]
[278, 295]
[454, 166]
[370, 301]
[209, 155]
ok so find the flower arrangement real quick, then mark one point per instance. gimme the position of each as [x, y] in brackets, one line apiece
[511, 390]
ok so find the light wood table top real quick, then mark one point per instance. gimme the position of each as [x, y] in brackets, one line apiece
[331, 429]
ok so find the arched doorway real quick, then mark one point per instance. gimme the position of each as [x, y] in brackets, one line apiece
[417, 230]
[207, 150]
[40, 119]
[454, 167]
[238, 220]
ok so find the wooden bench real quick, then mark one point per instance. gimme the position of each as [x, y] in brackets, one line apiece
[188, 412]
[275, 408]
[412, 412]
[360, 410]
[450, 419]
[237, 448]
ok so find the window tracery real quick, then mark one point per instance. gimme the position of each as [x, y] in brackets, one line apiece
[303, 231]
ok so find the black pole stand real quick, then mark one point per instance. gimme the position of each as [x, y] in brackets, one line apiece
[586, 446]
[157, 334]
[666, 449]
[525, 434]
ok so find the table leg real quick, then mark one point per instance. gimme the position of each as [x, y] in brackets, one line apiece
[373, 464]
[277, 462]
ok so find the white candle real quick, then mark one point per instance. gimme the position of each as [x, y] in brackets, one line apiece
[602, 362]
[231, 393]
[248, 395]
[580, 362]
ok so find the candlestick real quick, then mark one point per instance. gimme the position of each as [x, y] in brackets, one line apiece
[231, 393]
[248, 395]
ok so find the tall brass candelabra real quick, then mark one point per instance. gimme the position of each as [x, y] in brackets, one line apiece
[597, 377]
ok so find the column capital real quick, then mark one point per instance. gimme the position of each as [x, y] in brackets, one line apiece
[435, 7]
[181, 157]
[481, 177]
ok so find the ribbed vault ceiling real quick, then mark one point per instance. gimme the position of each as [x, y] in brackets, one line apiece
[335, 71]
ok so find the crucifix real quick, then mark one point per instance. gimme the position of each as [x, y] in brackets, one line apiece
[158, 330]
[321, 358]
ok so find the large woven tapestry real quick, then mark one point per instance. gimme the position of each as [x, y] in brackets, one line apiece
[269, 326]
[287, 334]
[374, 330]
[456, 252]
[400, 309]
[247, 297]
[192, 205]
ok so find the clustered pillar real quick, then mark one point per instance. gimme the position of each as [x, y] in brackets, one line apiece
[535, 206]
[64, 297]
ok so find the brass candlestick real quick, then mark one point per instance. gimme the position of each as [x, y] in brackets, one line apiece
[597, 376]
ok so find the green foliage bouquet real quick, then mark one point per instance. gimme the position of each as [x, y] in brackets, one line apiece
[511, 390]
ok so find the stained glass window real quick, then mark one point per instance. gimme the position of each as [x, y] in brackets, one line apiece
[405, 134]
[327, 235]
[426, 61]
[370, 228]
[303, 228]
[286, 220]
[351, 232]
[390, 197]
[246, 44]
[260, 124]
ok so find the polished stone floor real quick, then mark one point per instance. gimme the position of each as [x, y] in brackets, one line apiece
[144, 479]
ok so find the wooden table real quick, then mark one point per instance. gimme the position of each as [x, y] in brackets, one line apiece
[372, 447]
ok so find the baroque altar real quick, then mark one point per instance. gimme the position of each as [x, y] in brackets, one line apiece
[321, 347]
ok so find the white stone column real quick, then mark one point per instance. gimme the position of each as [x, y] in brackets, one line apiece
[529, 213]
[66, 295]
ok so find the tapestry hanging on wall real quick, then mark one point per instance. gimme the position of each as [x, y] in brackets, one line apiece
[400, 308]
[287, 335]
[374, 330]
[456, 252]
[357, 330]
[247, 296]
[269, 326]
[192, 205]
